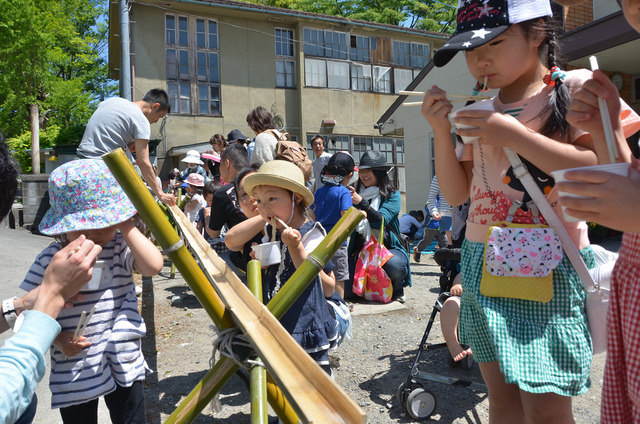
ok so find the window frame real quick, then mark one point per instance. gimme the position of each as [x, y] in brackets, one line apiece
[192, 58]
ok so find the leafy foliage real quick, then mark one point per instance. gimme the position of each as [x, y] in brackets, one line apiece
[50, 55]
[431, 15]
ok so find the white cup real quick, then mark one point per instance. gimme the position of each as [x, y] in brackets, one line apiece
[613, 168]
[267, 253]
[480, 105]
[96, 278]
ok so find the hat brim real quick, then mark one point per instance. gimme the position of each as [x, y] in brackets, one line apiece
[190, 159]
[254, 180]
[466, 40]
[374, 167]
[94, 219]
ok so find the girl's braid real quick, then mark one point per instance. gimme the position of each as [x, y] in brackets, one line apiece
[556, 123]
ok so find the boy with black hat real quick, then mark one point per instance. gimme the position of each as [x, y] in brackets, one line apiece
[332, 200]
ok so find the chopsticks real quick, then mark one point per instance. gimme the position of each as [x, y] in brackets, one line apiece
[455, 97]
[284, 224]
[82, 324]
[606, 120]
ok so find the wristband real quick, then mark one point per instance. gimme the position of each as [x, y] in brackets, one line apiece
[9, 311]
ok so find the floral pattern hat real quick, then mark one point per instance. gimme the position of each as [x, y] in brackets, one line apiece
[84, 195]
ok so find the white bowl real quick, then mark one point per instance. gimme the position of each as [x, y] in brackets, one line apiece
[267, 253]
[481, 105]
[558, 176]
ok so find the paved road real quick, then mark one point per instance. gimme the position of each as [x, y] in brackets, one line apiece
[19, 249]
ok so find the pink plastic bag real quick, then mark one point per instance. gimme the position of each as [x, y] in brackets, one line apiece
[369, 279]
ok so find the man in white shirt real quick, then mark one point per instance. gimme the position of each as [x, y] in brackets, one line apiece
[117, 122]
[322, 158]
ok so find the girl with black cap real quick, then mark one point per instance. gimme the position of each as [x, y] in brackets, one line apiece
[533, 356]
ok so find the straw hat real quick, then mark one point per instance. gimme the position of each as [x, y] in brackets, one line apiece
[84, 195]
[193, 156]
[280, 173]
[195, 179]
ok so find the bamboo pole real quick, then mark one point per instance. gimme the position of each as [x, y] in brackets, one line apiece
[166, 236]
[312, 393]
[152, 214]
[222, 371]
[259, 410]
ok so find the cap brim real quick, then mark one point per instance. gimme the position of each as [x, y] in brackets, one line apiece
[466, 40]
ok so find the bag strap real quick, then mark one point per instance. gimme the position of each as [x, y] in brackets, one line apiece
[522, 173]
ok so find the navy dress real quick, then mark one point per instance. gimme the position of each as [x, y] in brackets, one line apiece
[308, 320]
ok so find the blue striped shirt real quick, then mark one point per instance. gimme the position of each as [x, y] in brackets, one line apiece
[115, 330]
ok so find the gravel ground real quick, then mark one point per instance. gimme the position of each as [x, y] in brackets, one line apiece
[370, 367]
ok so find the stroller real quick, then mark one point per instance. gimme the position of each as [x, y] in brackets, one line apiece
[412, 393]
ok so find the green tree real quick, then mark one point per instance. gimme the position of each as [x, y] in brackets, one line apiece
[50, 56]
[432, 15]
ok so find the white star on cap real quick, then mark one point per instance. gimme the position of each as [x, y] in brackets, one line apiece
[485, 10]
[480, 33]
[466, 44]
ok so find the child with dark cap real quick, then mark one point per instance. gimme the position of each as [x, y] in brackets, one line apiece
[331, 201]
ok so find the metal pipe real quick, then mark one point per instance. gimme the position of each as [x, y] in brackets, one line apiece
[125, 55]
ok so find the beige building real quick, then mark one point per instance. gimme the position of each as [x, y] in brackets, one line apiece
[592, 28]
[219, 59]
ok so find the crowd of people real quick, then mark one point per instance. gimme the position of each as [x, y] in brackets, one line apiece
[534, 356]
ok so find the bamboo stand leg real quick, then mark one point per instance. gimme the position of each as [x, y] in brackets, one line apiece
[259, 410]
[173, 246]
[168, 239]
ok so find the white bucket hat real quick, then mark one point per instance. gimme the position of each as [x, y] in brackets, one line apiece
[193, 156]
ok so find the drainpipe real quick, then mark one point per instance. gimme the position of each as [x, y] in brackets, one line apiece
[125, 56]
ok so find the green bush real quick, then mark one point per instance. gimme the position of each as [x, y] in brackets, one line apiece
[20, 145]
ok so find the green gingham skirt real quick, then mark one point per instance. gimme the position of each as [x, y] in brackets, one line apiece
[541, 347]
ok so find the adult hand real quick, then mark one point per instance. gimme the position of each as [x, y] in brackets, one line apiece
[355, 197]
[69, 270]
[611, 200]
[167, 198]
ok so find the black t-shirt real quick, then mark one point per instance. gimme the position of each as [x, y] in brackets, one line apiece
[225, 209]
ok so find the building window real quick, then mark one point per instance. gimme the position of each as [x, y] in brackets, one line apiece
[402, 78]
[285, 65]
[360, 77]
[338, 74]
[335, 44]
[315, 73]
[382, 79]
[410, 55]
[193, 71]
[402, 53]
[361, 48]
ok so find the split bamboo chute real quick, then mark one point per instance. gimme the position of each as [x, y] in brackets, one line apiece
[314, 396]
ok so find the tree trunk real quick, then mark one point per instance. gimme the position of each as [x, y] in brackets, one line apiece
[35, 139]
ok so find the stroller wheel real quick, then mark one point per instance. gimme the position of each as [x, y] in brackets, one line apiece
[401, 394]
[420, 404]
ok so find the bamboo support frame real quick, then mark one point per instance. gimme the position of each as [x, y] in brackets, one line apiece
[311, 392]
[259, 410]
[222, 371]
[155, 219]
